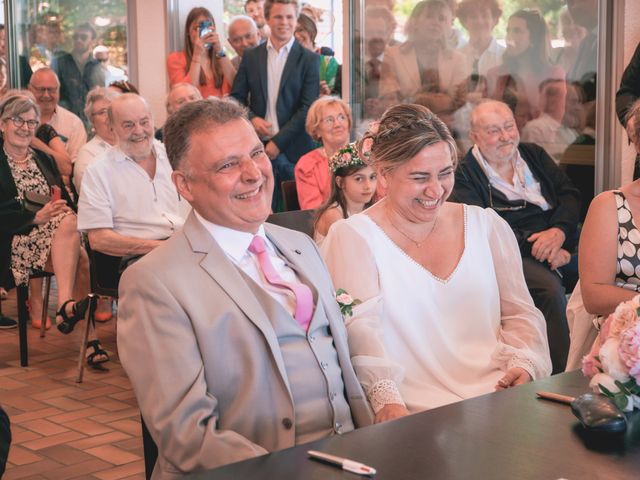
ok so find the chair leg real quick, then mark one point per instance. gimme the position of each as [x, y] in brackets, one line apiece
[22, 294]
[89, 320]
[45, 306]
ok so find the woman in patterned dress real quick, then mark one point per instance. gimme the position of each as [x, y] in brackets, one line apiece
[47, 240]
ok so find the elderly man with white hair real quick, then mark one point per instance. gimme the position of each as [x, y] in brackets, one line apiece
[243, 34]
[179, 95]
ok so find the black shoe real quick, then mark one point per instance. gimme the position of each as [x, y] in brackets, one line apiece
[7, 323]
[69, 322]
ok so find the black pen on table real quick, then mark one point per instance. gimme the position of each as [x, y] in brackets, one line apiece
[344, 463]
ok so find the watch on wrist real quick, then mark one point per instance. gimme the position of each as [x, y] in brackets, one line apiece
[221, 54]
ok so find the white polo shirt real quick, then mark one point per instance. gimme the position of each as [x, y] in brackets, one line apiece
[117, 193]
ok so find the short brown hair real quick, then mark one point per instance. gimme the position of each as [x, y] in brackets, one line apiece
[465, 7]
[194, 118]
[269, 3]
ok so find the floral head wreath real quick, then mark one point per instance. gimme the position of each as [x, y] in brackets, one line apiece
[347, 156]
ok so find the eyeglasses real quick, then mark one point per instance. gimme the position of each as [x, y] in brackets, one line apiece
[19, 122]
[41, 90]
[102, 111]
[511, 208]
[332, 120]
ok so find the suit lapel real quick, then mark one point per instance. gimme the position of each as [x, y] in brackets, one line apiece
[226, 274]
[262, 69]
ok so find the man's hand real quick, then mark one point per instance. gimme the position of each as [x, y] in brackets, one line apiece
[560, 260]
[263, 128]
[514, 376]
[546, 244]
[272, 150]
[324, 88]
[391, 411]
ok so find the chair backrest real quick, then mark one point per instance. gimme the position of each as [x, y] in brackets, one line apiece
[290, 195]
[300, 220]
[104, 272]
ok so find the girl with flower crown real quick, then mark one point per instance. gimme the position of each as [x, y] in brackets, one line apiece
[353, 184]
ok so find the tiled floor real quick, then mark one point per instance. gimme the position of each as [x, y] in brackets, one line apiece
[62, 429]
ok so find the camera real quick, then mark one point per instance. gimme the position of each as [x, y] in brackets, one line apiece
[205, 27]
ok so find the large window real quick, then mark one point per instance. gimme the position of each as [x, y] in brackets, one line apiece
[85, 42]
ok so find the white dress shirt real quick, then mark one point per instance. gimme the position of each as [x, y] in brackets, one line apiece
[524, 185]
[117, 193]
[235, 245]
[276, 60]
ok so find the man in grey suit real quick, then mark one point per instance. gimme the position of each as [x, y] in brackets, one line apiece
[221, 367]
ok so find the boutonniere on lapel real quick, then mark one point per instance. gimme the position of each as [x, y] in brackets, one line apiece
[346, 302]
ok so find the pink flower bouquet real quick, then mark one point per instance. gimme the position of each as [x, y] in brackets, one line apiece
[613, 364]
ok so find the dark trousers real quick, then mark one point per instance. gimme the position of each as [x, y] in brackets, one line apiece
[548, 293]
[282, 171]
[5, 440]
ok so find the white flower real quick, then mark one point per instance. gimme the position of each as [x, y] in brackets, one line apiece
[605, 380]
[344, 299]
[611, 362]
[623, 318]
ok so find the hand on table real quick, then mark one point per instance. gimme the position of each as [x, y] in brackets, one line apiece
[546, 244]
[514, 376]
[391, 411]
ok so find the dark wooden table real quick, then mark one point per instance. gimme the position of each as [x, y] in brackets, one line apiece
[504, 435]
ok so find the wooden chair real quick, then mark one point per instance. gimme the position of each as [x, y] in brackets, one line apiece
[104, 275]
[290, 195]
[299, 220]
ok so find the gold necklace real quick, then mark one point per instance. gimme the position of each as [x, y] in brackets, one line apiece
[417, 243]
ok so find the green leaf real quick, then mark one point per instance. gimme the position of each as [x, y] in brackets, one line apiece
[621, 401]
[623, 388]
[340, 291]
[606, 391]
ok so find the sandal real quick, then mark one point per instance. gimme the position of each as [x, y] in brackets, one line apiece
[98, 351]
[77, 313]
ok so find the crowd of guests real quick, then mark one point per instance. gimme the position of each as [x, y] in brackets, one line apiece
[449, 228]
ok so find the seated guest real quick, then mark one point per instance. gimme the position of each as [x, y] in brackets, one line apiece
[203, 62]
[179, 95]
[525, 187]
[96, 111]
[128, 204]
[353, 185]
[46, 239]
[445, 312]
[243, 34]
[328, 122]
[608, 258]
[226, 360]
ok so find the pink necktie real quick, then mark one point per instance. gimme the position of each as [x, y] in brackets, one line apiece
[304, 297]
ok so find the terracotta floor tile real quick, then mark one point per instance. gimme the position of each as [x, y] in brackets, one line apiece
[21, 437]
[30, 470]
[7, 383]
[65, 403]
[57, 392]
[130, 470]
[65, 454]
[79, 470]
[9, 371]
[109, 404]
[69, 416]
[112, 417]
[97, 440]
[15, 399]
[45, 442]
[89, 427]
[44, 427]
[130, 426]
[133, 445]
[100, 391]
[22, 456]
[126, 395]
[112, 454]
[41, 413]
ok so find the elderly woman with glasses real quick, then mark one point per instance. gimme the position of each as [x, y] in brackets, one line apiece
[444, 312]
[32, 238]
[328, 122]
[96, 109]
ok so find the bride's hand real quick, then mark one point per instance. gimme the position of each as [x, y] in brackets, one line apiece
[391, 411]
[514, 376]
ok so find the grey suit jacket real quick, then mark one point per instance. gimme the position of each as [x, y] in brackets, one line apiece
[202, 355]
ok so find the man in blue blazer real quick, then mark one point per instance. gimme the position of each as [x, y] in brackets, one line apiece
[278, 80]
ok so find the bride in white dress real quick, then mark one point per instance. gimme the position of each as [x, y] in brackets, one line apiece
[445, 312]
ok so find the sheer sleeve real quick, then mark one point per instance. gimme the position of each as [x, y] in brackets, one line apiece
[353, 268]
[522, 339]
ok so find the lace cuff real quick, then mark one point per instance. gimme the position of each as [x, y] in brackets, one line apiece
[524, 363]
[382, 393]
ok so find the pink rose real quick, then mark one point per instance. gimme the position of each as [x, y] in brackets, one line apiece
[629, 350]
[590, 365]
[344, 299]
[367, 143]
[624, 317]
